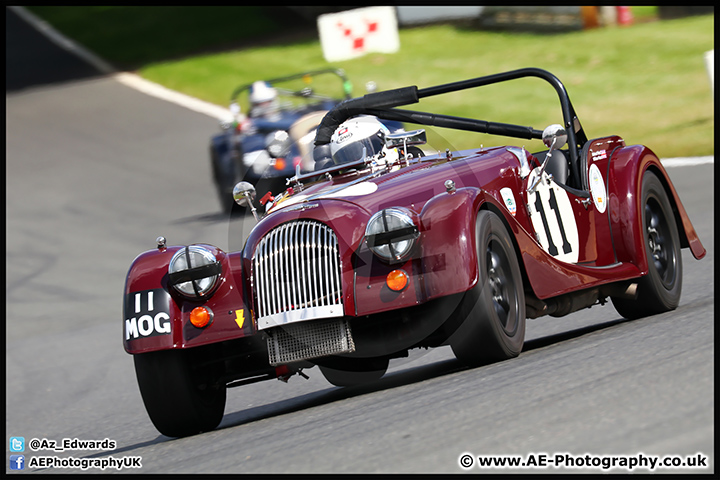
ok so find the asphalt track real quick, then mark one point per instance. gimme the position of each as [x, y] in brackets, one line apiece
[96, 171]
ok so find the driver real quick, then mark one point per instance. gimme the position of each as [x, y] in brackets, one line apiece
[264, 101]
[354, 134]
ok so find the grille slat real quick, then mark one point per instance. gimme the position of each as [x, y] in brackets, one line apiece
[283, 257]
[292, 256]
[297, 274]
[272, 258]
[314, 263]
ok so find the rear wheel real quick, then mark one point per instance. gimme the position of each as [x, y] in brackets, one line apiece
[659, 290]
[492, 313]
[182, 397]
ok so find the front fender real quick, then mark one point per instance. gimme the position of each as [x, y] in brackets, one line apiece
[155, 317]
[443, 264]
[448, 257]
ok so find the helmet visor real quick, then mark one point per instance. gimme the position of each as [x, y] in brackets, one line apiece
[354, 150]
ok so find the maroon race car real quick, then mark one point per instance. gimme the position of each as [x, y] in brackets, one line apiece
[383, 249]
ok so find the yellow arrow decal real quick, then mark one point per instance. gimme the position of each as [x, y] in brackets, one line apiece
[240, 317]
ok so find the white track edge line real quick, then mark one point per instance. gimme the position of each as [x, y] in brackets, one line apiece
[687, 161]
[156, 90]
[129, 79]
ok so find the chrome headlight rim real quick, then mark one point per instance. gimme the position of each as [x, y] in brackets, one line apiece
[194, 272]
[391, 234]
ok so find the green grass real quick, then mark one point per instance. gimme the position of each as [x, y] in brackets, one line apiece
[647, 82]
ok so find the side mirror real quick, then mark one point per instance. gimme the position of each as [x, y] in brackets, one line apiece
[554, 137]
[226, 124]
[244, 195]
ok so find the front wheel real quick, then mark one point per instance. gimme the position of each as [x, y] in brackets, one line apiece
[227, 171]
[492, 313]
[181, 397]
[659, 290]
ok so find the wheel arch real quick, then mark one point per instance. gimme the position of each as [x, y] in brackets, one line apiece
[469, 201]
[492, 206]
[627, 168]
[688, 236]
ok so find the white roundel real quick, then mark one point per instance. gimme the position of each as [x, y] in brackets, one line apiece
[553, 219]
[597, 188]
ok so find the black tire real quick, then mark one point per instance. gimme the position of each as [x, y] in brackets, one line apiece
[221, 181]
[491, 315]
[347, 372]
[226, 200]
[180, 400]
[226, 177]
[659, 290]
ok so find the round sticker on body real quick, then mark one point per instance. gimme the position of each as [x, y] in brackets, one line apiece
[597, 188]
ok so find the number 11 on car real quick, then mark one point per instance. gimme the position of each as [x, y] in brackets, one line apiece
[553, 219]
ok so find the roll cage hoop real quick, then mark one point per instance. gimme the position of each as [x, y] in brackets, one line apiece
[382, 104]
[347, 86]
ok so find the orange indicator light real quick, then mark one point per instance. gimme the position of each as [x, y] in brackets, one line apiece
[280, 164]
[201, 317]
[397, 280]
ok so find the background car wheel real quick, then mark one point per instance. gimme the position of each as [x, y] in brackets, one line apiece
[346, 372]
[180, 400]
[221, 181]
[492, 313]
[659, 290]
[227, 171]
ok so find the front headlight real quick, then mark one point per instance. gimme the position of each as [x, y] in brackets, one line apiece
[259, 157]
[278, 143]
[391, 233]
[194, 271]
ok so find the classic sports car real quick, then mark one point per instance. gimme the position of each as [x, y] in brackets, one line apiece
[266, 147]
[382, 252]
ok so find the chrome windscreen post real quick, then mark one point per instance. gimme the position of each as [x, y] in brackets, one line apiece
[254, 212]
[405, 152]
[403, 139]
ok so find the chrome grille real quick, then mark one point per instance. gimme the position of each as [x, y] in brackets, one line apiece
[302, 341]
[296, 274]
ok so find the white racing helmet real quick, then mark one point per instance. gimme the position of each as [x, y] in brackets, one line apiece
[263, 99]
[354, 134]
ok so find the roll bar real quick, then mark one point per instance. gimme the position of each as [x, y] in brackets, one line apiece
[347, 86]
[382, 104]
